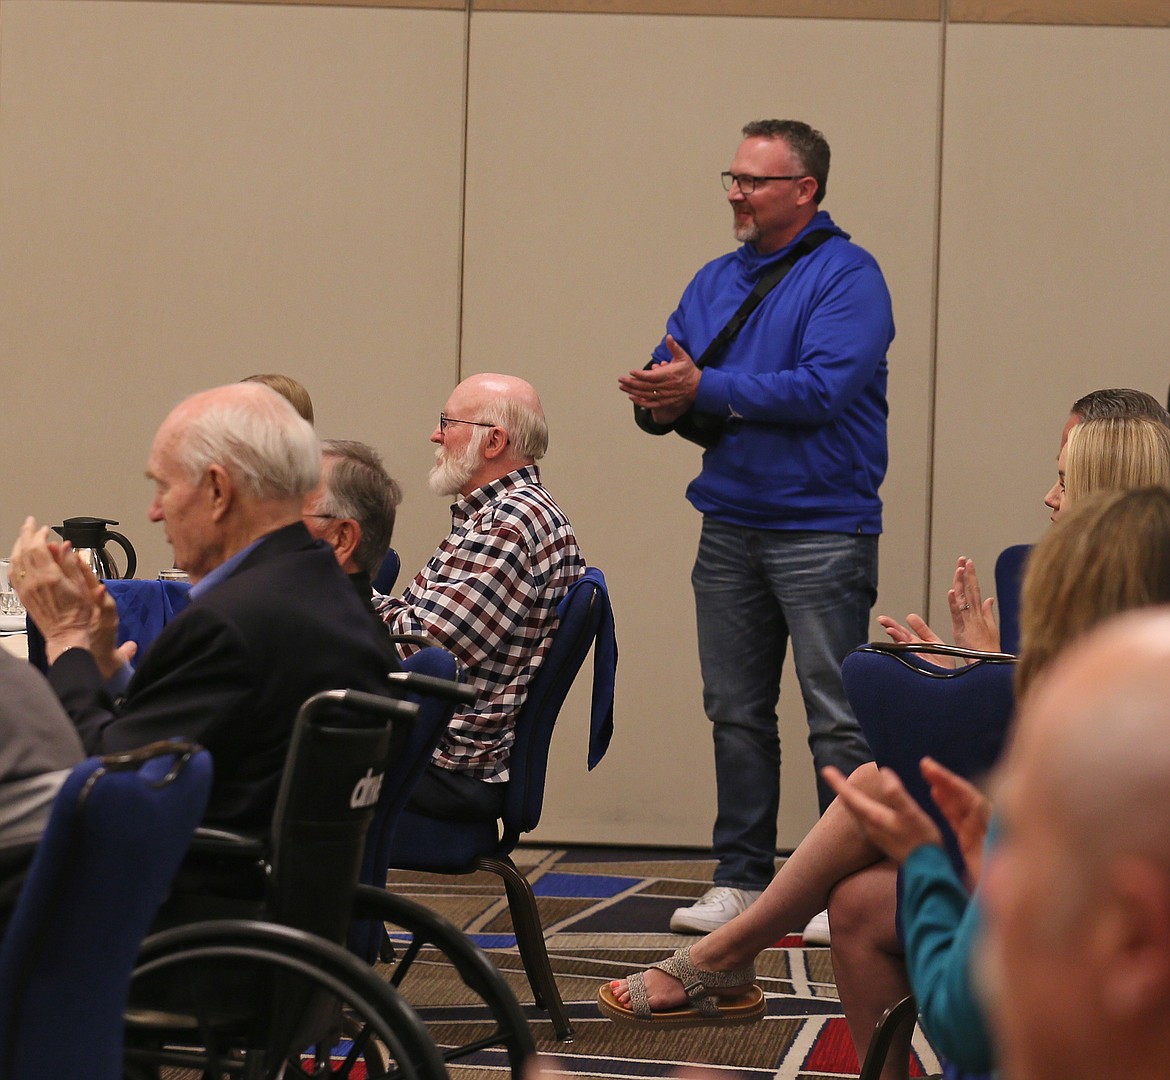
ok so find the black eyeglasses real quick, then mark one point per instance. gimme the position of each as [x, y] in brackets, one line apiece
[444, 420]
[747, 184]
[323, 517]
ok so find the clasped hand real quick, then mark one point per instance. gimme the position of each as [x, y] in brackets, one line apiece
[69, 605]
[896, 824]
[972, 619]
[667, 388]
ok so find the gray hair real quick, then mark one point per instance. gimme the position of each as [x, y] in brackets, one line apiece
[266, 448]
[1120, 403]
[808, 145]
[357, 486]
[526, 427]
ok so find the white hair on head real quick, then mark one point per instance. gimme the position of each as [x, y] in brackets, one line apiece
[257, 436]
[526, 426]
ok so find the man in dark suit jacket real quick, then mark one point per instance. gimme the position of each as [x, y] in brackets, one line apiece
[272, 619]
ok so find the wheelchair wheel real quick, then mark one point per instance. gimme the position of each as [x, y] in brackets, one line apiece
[505, 1022]
[237, 998]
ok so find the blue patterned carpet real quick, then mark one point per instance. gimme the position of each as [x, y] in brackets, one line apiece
[605, 913]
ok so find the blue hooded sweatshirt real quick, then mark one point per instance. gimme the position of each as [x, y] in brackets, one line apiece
[804, 383]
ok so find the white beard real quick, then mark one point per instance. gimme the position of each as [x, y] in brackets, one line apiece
[451, 472]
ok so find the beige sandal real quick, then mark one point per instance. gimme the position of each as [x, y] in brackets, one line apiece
[705, 1008]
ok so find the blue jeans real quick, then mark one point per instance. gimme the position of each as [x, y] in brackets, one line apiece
[753, 589]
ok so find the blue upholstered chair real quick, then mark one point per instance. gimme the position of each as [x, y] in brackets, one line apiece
[959, 716]
[118, 830]
[387, 575]
[907, 710]
[432, 845]
[1009, 576]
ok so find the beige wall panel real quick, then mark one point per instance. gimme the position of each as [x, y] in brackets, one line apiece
[444, 5]
[808, 9]
[192, 193]
[593, 195]
[1062, 12]
[1054, 263]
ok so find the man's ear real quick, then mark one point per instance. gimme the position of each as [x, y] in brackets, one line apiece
[221, 489]
[495, 443]
[1134, 933]
[808, 188]
[346, 538]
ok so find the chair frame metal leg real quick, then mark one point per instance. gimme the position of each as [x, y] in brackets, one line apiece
[530, 942]
[892, 1021]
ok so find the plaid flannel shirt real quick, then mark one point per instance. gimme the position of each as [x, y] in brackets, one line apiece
[489, 595]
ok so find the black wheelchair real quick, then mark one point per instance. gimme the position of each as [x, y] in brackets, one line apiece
[247, 975]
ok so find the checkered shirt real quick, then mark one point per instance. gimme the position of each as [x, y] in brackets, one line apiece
[489, 595]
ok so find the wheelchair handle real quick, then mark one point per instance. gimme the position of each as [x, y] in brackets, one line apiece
[376, 704]
[412, 681]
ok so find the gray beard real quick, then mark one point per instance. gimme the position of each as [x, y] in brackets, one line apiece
[746, 234]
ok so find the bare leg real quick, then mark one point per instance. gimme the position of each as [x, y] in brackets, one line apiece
[868, 960]
[833, 849]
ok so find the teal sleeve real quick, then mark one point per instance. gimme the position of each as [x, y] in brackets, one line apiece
[940, 921]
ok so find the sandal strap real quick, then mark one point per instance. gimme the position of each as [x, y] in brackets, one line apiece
[697, 981]
[639, 1002]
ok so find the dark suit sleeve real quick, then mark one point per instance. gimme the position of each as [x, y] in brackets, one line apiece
[192, 682]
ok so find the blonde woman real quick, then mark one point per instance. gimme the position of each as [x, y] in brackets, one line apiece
[1115, 454]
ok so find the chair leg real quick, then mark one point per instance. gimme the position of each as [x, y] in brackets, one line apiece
[530, 942]
[893, 1019]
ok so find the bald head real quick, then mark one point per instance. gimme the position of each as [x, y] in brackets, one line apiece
[493, 424]
[510, 403]
[1077, 892]
[1096, 734]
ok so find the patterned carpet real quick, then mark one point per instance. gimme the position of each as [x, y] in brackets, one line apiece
[605, 913]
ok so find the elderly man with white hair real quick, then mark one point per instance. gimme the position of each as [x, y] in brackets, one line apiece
[1077, 890]
[272, 620]
[490, 591]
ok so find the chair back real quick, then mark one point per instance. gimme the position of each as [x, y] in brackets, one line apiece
[332, 781]
[387, 575]
[118, 830]
[331, 785]
[959, 716]
[580, 613]
[1009, 577]
[403, 770]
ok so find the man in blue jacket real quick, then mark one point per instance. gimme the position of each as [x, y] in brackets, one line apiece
[788, 490]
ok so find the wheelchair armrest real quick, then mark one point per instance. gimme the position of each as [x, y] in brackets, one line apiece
[211, 841]
[414, 682]
[421, 640]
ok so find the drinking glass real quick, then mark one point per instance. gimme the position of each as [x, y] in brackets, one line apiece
[9, 602]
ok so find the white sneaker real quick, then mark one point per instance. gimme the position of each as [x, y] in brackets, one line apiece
[817, 931]
[715, 907]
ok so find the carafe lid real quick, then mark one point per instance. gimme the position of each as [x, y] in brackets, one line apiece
[84, 531]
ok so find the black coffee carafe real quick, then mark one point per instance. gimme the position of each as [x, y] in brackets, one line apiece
[88, 535]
